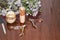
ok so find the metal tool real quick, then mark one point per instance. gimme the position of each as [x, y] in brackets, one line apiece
[22, 30]
[2, 23]
[3, 26]
[33, 24]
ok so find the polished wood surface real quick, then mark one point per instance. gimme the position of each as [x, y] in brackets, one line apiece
[49, 28]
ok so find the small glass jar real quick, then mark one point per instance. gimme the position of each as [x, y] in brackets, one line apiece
[10, 17]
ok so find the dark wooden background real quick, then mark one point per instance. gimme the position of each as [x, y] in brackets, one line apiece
[49, 28]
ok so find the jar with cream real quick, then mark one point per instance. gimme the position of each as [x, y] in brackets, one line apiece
[10, 17]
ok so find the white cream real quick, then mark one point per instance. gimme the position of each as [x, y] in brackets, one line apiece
[11, 20]
[10, 17]
[22, 18]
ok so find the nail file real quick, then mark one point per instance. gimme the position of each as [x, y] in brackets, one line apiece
[4, 30]
[2, 22]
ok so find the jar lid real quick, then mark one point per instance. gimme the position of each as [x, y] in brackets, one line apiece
[10, 14]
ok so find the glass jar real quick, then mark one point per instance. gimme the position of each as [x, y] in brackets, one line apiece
[10, 17]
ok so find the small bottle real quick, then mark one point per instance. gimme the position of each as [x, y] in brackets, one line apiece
[22, 15]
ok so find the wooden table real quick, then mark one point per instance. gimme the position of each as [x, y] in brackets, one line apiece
[49, 28]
